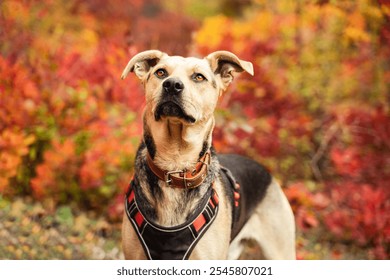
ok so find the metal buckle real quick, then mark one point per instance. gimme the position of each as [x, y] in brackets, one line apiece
[204, 163]
[167, 175]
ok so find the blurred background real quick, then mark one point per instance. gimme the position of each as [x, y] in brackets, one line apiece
[316, 113]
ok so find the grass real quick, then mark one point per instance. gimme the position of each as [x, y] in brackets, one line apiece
[29, 230]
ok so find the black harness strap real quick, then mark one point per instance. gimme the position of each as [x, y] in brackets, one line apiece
[233, 190]
[171, 243]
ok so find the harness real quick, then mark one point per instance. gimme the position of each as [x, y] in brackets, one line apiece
[233, 192]
[177, 243]
[172, 243]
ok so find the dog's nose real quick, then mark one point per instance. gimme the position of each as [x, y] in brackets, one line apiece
[173, 85]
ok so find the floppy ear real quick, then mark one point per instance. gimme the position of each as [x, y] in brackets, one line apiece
[225, 63]
[141, 63]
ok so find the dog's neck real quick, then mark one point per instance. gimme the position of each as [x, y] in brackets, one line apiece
[173, 145]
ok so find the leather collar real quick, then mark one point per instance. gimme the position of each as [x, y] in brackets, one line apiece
[182, 178]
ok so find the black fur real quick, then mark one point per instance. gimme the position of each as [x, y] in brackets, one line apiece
[144, 174]
[254, 180]
[205, 147]
[150, 145]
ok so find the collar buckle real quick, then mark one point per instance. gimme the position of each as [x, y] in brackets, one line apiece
[185, 179]
[167, 176]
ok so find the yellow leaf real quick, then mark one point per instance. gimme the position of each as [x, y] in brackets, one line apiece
[213, 31]
[356, 34]
[29, 140]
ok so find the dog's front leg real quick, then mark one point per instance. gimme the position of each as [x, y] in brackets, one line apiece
[131, 245]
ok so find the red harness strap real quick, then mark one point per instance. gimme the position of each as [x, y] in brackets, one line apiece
[171, 242]
[236, 194]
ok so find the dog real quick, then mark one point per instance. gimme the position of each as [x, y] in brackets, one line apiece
[186, 201]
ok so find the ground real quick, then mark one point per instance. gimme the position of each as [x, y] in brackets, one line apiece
[32, 230]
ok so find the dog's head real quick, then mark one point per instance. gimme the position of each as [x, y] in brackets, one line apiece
[182, 89]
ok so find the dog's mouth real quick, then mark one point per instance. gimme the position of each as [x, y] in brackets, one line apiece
[172, 109]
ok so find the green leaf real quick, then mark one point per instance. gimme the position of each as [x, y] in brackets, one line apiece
[64, 215]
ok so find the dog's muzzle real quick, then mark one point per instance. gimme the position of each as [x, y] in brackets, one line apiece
[171, 103]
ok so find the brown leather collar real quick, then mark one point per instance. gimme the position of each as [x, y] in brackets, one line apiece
[182, 178]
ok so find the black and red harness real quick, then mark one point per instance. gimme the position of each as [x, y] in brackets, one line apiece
[175, 243]
[171, 243]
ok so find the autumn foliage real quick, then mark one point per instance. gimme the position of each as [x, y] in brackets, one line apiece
[316, 112]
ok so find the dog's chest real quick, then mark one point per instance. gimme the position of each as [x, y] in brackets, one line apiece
[173, 208]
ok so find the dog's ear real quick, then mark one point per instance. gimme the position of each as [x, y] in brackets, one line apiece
[224, 63]
[141, 63]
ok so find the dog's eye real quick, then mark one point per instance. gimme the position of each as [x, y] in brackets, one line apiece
[161, 73]
[199, 77]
